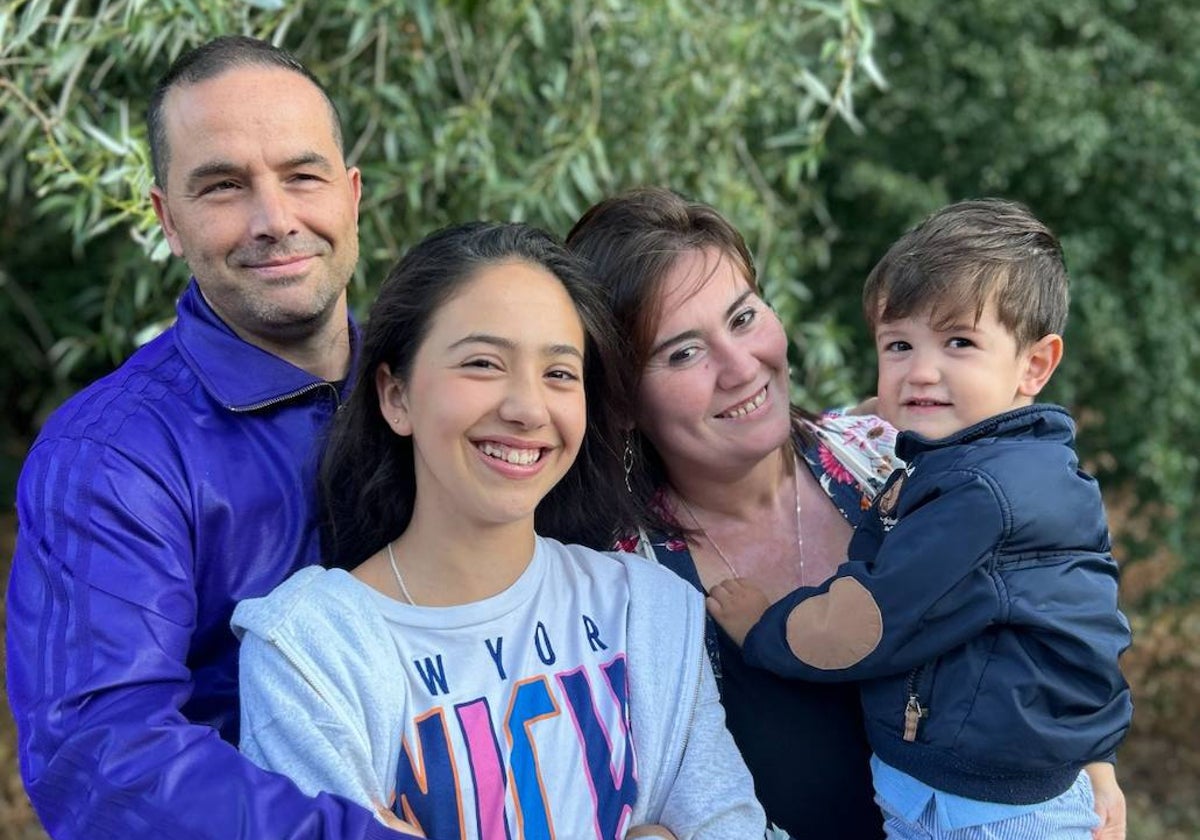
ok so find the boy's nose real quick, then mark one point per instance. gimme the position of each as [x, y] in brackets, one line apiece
[923, 369]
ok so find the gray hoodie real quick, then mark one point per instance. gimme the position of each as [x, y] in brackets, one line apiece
[691, 777]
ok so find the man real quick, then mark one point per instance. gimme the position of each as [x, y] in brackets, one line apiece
[161, 495]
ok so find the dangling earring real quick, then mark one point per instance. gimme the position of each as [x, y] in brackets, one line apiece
[627, 459]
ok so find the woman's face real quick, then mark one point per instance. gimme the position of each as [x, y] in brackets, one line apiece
[714, 392]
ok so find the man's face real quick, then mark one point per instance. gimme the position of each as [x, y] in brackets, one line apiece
[260, 204]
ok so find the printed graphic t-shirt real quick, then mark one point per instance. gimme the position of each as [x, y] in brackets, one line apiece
[519, 704]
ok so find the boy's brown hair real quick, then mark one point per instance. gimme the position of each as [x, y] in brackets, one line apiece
[966, 254]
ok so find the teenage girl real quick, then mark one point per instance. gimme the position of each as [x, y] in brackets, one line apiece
[457, 666]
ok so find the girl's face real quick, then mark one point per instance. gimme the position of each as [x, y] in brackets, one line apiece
[714, 392]
[494, 401]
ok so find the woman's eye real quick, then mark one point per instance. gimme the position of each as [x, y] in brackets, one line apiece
[743, 318]
[683, 354]
[563, 375]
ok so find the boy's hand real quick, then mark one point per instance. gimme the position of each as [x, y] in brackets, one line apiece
[737, 605]
[649, 831]
[868, 406]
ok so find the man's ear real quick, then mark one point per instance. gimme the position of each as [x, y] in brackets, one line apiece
[1041, 360]
[158, 198]
[393, 400]
[356, 188]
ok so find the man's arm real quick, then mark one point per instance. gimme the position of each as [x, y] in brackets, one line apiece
[101, 610]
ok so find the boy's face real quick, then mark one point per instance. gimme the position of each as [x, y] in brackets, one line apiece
[939, 380]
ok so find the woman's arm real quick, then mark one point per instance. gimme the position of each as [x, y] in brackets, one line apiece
[1109, 801]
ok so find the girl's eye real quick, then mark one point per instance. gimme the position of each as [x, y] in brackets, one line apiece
[483, 364]
[743, 318]
[563, 375]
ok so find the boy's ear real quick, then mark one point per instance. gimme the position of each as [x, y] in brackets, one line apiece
[1041, 360]
[393, 399]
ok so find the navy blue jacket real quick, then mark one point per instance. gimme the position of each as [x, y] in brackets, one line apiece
[152, 502]
[979, 605]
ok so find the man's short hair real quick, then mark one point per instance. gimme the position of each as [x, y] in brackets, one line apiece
[208, 61]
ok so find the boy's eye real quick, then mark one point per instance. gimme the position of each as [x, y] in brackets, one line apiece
[897, 346]
[958, 342]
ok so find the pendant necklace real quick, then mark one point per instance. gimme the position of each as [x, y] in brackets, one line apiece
[724, 557]
[400, 578]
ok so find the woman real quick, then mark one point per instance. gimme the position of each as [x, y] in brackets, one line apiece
[736, 482]
[468, 675]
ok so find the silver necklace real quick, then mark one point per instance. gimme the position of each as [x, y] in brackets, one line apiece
[400, 578]
[724, 557]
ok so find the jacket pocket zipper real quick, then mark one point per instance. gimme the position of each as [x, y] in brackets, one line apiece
[913, 710]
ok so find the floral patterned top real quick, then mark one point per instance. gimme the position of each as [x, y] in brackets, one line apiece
[805, 743]
[851, 456]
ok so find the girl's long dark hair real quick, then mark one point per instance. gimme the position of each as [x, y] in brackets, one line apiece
[368, 481]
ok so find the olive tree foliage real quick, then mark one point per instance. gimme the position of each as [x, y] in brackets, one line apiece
[1089, 112]
[507, 109]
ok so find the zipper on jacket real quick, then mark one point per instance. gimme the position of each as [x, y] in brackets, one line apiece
[313, 386]
[913, 710]
[274, 640]
[687, 732]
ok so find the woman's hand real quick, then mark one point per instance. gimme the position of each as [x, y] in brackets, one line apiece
[649, 831]
[1110, 801]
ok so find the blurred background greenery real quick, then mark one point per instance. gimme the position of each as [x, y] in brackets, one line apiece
[823, 128]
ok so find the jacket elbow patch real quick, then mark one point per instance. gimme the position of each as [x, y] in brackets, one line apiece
[837, 629]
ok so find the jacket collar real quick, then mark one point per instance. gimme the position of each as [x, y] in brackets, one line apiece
[1039, 421]
[235, 373]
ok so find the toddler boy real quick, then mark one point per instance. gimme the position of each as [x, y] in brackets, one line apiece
[979, 603]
